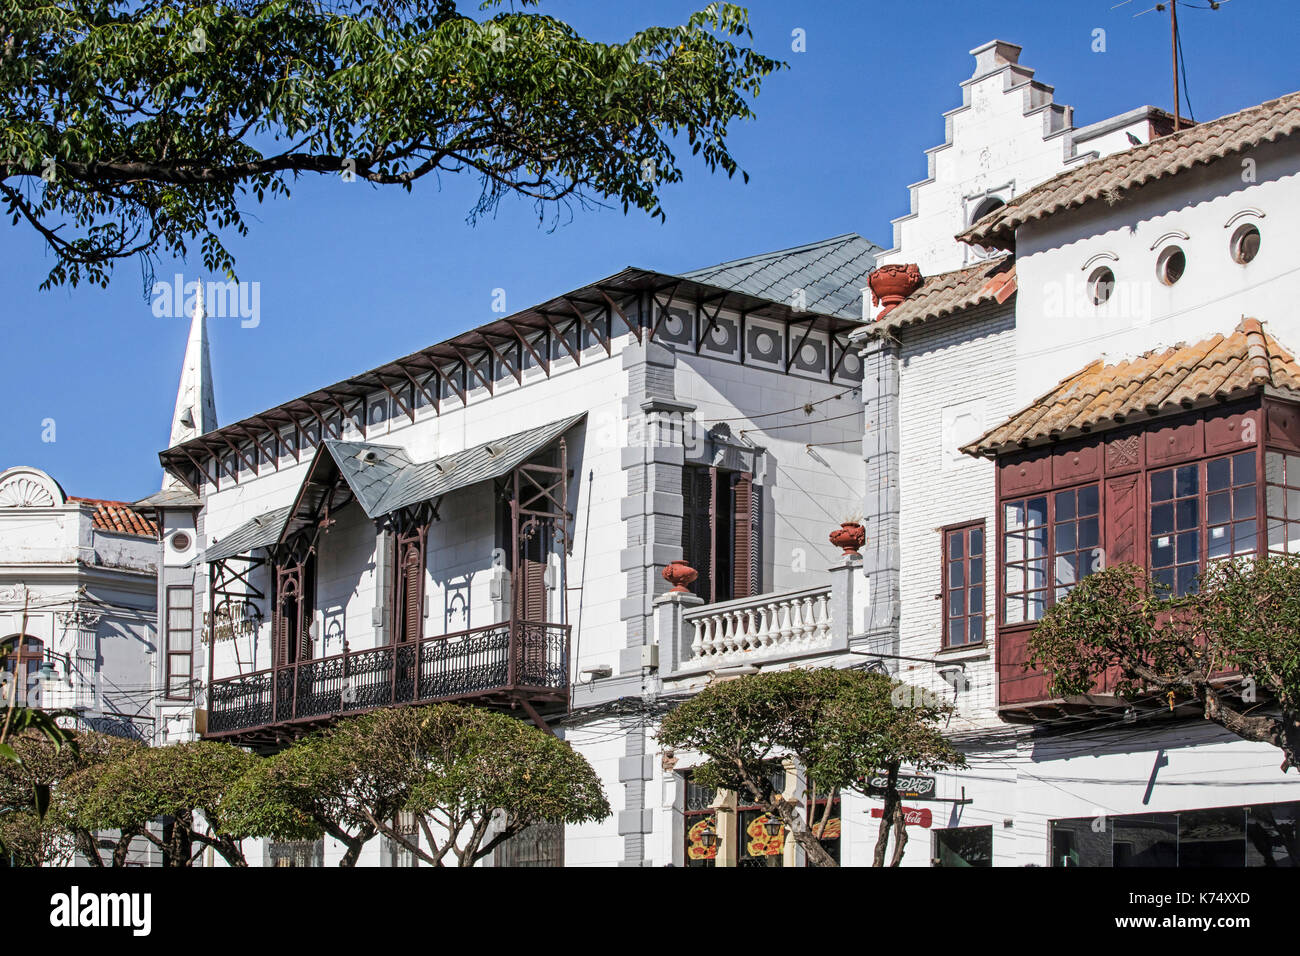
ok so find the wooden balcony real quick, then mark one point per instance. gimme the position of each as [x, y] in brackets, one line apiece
[509, 664]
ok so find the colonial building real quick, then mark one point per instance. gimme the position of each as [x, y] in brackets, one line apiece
[1118, 385]
[487, 521]
[77, 609]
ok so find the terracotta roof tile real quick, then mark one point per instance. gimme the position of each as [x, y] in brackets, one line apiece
[949, 292]
[119, 516]
[1111, 176]
[1102, 396]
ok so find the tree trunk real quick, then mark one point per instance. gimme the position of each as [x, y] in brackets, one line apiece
[892, 812]
[900, 830]
[1283, 733]
[124, 846]
[85, 841]
[788, 811]
[355, 844]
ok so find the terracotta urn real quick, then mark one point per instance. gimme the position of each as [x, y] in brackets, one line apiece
[892, 284]
[850, 536]
[680, 574]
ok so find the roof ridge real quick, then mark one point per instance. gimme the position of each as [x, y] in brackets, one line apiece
[776, 253]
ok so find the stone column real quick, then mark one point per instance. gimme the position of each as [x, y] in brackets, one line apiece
[671, 631]
[84, 623]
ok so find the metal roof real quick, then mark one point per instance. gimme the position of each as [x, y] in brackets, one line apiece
[369, 470]
[261, 531]
[479, 463]
[831, 274]
[619, 293]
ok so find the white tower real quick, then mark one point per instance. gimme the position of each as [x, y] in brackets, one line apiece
[196, 409]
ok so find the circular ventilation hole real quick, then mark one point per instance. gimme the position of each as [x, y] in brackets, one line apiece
[1245, 243]
[1100, 285]
[1171, 265]
[181, 541]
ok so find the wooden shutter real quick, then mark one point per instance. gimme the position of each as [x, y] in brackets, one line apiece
[697, 526]
[743, 561]
[408, 596]
[533, 585]
[287, 625]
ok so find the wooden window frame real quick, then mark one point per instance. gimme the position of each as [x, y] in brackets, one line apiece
[946, 590]
[744, 540]
[168, 692]
[1051, 522]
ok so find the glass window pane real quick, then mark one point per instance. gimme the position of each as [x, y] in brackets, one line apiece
[1164, 579]
[1036, 511]
[1065, 537]
[1186, 481]
[1036, 574]
[1015, 548]
[1088, 498]
[1187, 512]
[1271, 832]
[1014, 611]
[954, 546]
[976, 570]
[180, 640]
[1036, 539]
[977, 541]
[1064, 505]
[1066, 566]
[1293, 469]
[1037, 605]
[1273, 467]
[1146, 840]
[1189, 546]
[1212, 837]
[1243, 502]
[1015, 579]
[976, 632]
[1293, 537]
[1089, 532]
[956, 603]
[1014, 516]
[1186, 581]
[1218, 542]
[1293, 503]
[1244, 539]
[1275, 502]
[1162, 551]
[1218, 508]
[956, 630]
[1243, 468]
[956, 575]
[1162, 486]
[1162, 519]
[1277, 536]
[1218, 474]
[976, 600]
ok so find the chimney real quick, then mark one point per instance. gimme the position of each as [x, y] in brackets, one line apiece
[993, 56]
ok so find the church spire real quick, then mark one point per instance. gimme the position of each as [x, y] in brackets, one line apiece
[196, 409]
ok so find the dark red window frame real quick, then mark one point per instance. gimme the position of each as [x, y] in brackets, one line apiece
[963, 546]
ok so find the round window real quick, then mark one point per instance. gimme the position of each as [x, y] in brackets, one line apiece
[181, 541]
[1171, 265]
[1100, 285]
[1245, 243]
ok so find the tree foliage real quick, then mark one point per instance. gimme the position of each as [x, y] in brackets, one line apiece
[842, 726]
[141, 126]
[175, 782]
[1243, 617]
[472, 779]
[33, 830]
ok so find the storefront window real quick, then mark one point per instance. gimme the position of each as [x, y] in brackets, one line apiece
[963, 846]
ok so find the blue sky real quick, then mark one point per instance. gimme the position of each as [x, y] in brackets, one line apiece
[351, 276]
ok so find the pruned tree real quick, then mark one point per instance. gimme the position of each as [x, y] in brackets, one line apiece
[33, 831]
[457, 769]
[842, 727]
[137, 127]
[1243, 617]
[177, 783]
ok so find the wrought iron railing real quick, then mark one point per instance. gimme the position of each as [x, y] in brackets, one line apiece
[521, 656]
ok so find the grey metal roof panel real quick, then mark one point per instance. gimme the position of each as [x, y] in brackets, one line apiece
[477, 463]
[370, 470]
[831, 273]
[170, 498]
[258, 533]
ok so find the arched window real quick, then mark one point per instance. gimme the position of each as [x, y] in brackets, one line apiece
[984, 207]
[23, 654]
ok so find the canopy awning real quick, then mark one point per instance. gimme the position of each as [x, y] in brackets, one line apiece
[261, 532]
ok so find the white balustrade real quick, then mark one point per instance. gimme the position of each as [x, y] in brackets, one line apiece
[763, 627]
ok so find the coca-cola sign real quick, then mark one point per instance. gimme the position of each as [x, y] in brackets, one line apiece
[912, 816]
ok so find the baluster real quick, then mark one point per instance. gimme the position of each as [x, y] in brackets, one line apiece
[808, 623]
[823, 618]
[786, 614]
[697, 637]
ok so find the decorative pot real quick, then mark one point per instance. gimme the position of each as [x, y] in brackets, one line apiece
[680, 574]
[892, 284]
[850, 536]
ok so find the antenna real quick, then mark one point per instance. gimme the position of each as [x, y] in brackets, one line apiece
[1175, 43]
